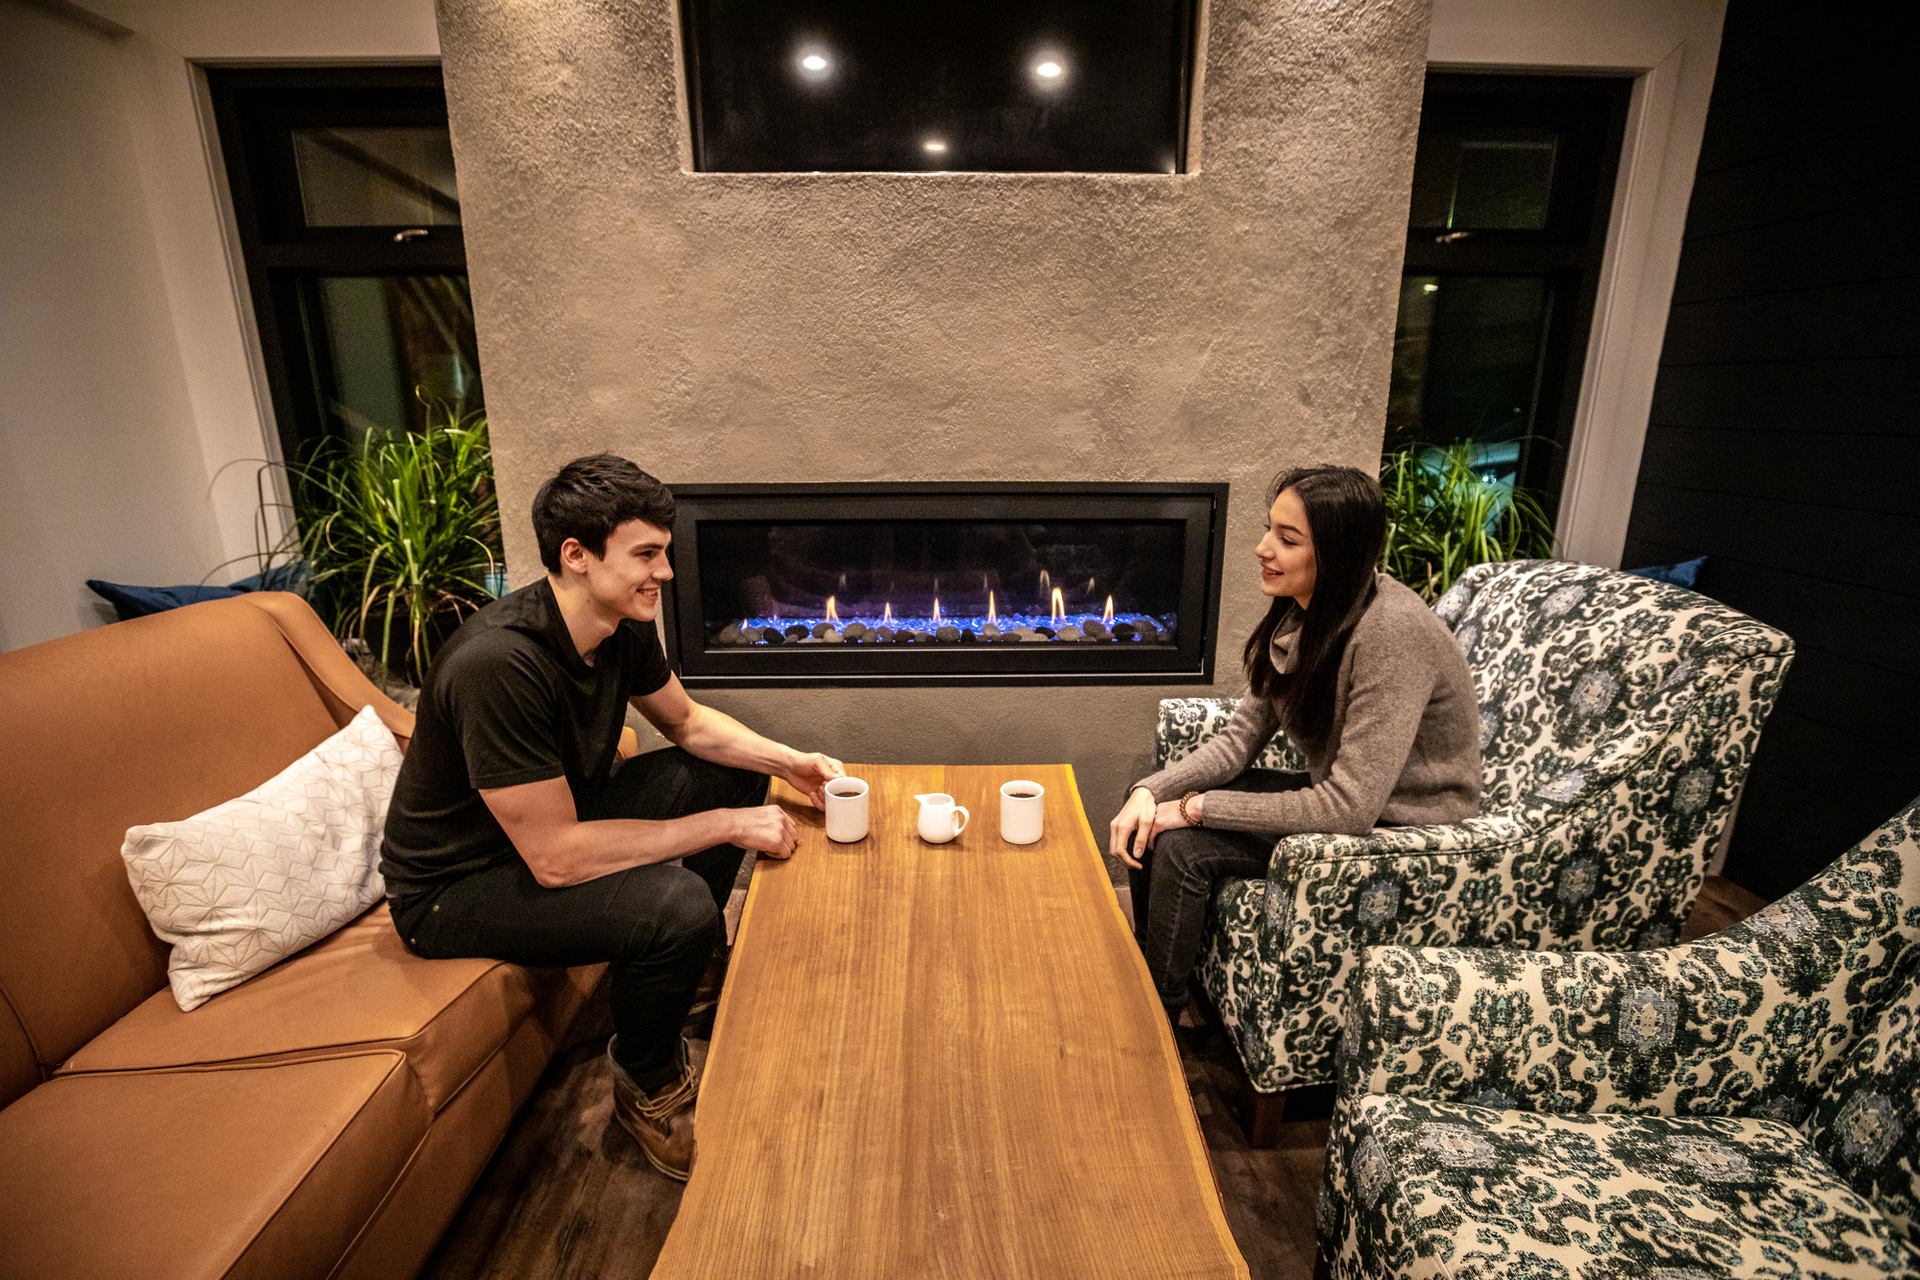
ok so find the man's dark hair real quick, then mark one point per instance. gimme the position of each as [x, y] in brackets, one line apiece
[589, 498]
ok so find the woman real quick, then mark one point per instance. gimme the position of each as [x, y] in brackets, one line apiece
[1361, 676]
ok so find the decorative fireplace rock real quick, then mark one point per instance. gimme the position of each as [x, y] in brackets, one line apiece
[929, 583]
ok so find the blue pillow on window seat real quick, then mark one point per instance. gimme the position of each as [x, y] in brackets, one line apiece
[282, 577]
[1684, 574]
[138, 602]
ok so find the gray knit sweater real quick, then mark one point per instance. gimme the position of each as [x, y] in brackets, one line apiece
[1403, 746]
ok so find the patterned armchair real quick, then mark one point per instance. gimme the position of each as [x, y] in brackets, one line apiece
[1746, 1105]
[1618, 718]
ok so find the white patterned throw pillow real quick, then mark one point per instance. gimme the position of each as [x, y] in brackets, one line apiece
[247, 883]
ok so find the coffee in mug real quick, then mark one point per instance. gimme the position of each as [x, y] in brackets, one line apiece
[847, 810]
[1023, 807]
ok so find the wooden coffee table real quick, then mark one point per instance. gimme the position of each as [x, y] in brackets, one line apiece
[944, 1060]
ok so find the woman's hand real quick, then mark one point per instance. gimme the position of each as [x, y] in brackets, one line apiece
[1131, 832]
[1140, 822]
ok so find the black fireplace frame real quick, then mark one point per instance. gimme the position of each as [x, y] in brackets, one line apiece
[1200, 507]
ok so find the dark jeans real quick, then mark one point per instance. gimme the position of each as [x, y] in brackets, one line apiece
[656, 925]
[1172, 895]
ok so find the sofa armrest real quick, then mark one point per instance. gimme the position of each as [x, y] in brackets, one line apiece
[340, 683]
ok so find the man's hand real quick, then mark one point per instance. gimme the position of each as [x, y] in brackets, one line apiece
[765, 829]
[809, 774]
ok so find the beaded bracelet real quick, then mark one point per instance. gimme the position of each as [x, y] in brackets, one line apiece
[1186, 817]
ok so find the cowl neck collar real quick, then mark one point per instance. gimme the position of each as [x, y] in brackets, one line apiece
[1284, 647]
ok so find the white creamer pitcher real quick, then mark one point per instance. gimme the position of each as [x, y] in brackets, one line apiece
[940, 818]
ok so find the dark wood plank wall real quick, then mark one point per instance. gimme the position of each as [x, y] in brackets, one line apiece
[1782, 442]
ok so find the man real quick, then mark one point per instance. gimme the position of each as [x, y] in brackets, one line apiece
[514, 832]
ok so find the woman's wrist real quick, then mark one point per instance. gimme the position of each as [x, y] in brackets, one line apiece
[1189, 806]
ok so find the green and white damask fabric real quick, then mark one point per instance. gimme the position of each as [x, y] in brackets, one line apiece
[1479, 1192]
[1866, 1123]
[1618, 719]
[1185, 723]
[1789, 1037]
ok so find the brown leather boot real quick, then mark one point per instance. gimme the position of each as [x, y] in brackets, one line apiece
[661, 1121]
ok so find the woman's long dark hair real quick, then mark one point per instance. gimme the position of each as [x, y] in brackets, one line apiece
[1347, 520]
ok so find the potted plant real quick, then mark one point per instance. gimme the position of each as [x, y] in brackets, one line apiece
[1443, 517]
[396, 538]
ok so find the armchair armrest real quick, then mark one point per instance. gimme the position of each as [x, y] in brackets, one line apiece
[1183, 724]
[1531, 879]
[1563, 878]
[1750, 1021]
[1701, 1029]
[1689, 1030]
[1475, 836]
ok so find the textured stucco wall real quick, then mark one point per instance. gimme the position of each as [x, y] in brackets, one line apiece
[715, 328]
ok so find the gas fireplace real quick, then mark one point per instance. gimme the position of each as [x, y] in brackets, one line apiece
[930, 583]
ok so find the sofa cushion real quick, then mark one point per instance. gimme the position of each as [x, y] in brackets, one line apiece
[1866, 1123]
[247, 883]
[260, 1170]
[1462, 1191]
[359, 988]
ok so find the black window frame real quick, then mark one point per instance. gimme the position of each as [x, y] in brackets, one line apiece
[255, 109]
[1591, 111]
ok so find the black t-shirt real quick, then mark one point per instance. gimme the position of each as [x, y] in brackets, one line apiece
[509, 700]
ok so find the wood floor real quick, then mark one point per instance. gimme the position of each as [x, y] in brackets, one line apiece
[568, 1194]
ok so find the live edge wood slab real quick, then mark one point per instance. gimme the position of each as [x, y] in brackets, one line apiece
[944, 1060]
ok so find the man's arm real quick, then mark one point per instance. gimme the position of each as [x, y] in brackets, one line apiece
[716, 736]
[560, 849]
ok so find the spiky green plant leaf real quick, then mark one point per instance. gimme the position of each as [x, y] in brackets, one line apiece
[1443, 517]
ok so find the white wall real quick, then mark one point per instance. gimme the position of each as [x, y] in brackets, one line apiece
[100, 470]
[129, 374]
[1671, 48]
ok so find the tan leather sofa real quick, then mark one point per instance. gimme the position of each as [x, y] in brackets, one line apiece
[324, 1119]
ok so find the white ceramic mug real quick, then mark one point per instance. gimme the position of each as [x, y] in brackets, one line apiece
[940, 818]
[1023, 808]
[847, 810]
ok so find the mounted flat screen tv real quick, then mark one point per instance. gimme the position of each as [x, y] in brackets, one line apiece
[1091, 86]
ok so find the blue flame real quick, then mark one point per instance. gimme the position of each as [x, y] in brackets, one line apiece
[1145, 624]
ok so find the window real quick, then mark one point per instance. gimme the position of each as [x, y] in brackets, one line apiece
[349, 216]
[1513, 178]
